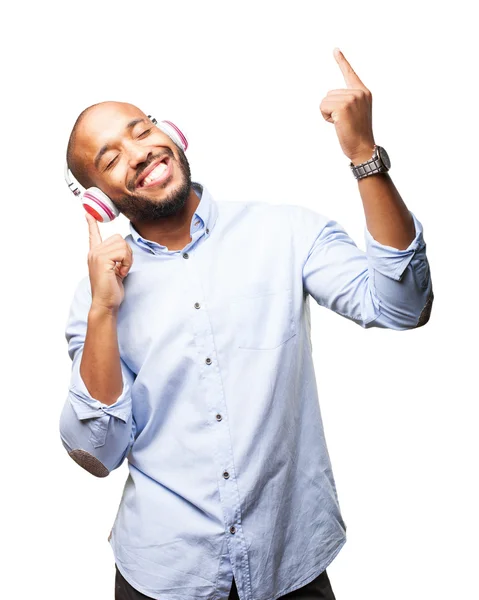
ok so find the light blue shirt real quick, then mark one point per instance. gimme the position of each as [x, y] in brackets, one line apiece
[219, 418]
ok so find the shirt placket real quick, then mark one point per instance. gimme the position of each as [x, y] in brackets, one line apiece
[211, 390]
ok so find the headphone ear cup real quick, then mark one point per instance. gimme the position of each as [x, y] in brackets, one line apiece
[175, 133]
[97, 204]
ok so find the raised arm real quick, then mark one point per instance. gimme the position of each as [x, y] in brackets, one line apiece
[390, 284]
[381, 287]
[96, 424]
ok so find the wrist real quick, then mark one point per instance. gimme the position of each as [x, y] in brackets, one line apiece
[365, 154]
[100, 311]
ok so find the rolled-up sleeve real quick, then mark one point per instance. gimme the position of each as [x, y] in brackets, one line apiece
[96, 435]
[380, 287]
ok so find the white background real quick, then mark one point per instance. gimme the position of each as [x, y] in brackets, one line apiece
[245, 81]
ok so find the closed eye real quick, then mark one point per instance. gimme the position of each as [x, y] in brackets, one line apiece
[110, 164]
[143, 134]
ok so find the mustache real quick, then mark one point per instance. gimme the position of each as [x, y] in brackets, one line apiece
[131, 186]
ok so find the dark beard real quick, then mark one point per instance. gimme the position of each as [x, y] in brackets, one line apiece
[138, 208]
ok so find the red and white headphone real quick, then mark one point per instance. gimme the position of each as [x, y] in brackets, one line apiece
[96, 202]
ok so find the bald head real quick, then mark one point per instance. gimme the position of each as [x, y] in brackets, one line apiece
[75, 156]
[72, 160]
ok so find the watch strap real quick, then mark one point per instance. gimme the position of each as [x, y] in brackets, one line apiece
[370, 167]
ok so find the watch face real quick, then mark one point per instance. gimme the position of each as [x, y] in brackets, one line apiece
[384, 157]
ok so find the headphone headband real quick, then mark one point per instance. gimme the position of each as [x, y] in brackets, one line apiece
[75, 186]
[96, 202]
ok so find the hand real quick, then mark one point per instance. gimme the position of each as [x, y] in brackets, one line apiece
[350, 110]
[108, 264]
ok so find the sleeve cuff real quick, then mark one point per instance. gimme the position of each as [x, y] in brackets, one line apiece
[390, 261]
[87, 407]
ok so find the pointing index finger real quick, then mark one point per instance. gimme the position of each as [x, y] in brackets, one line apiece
[350, 76]
[93, 230]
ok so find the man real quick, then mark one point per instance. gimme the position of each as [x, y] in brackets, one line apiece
[190, 341]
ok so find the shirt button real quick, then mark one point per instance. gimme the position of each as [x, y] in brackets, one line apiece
[208, 361]
[197, 304]
[207, 230]
[226, 475]
[218, 417]
[185, 255]
[232, 529]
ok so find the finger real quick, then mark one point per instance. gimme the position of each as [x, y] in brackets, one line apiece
[93, 230]
[337, 98]
[114, 239]
[356, 92]
[124, 268]
[332, 106]
[125, 265]
[116, 253]
[350, 77]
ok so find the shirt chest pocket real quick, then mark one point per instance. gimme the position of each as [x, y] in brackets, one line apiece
[263, 320]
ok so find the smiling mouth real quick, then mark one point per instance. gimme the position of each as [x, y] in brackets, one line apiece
[159, 173]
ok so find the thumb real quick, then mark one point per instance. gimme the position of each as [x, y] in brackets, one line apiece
[124, 269]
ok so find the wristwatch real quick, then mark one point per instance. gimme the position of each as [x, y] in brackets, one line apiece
[379, 163]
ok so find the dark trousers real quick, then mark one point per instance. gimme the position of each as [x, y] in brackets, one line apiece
[318, 589]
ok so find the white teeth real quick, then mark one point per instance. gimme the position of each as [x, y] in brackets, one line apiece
[155, 174]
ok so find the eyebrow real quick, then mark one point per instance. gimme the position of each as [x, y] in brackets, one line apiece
[106, 147]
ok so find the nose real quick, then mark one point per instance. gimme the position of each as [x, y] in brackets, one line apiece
[137, 154]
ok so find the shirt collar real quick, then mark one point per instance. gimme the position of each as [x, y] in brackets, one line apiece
[204, 217]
